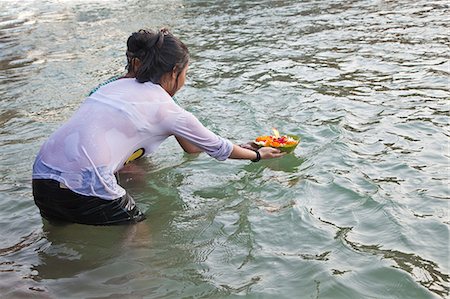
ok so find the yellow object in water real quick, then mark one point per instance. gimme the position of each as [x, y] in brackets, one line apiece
[136, 155]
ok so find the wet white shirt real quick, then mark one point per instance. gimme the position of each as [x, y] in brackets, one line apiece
[114, 122]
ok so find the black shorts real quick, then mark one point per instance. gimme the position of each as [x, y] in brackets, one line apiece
[60, 204]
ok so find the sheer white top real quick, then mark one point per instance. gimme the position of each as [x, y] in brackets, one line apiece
[112, 123]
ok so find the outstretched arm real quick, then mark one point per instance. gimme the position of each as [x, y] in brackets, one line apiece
[248, 154]
[238, 152]
[193, 137]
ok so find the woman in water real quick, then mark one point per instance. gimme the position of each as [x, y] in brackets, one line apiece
[74, 172]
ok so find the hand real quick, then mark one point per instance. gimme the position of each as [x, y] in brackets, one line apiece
[270, 152]
[250, 145]
[246, 151]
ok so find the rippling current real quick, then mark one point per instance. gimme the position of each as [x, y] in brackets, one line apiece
[359, 210]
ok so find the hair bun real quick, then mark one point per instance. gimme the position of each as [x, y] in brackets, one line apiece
[159, 52]
[159, 39]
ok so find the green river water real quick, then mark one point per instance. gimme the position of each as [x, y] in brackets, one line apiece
[359, 210]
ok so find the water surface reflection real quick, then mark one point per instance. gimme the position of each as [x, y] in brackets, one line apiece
[359, 210]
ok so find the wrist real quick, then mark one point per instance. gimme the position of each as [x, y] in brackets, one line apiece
[258, 156]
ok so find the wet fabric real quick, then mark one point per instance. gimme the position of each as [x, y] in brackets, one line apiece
[114, 122]
[112, 79]
[57, 203]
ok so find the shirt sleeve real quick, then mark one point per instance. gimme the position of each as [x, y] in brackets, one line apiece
[190, 128]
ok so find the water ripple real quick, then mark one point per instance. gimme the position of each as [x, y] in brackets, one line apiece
[426, 272]
[359, 210]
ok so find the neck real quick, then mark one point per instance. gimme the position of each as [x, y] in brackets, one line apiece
[169, 85]
[130, 75]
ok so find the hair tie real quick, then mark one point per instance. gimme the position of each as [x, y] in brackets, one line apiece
[160, 40]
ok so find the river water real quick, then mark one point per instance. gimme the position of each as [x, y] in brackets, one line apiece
[359, 210]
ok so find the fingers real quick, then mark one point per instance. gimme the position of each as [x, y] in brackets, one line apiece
[250, 145]
[279, 154]
[270, 152]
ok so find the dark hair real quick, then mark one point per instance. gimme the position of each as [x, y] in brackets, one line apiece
[158, 52]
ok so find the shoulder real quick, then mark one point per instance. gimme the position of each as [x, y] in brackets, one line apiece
[112, 79]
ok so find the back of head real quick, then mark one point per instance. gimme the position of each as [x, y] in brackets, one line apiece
[158, 52]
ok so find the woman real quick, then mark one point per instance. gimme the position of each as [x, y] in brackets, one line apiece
[74, 172]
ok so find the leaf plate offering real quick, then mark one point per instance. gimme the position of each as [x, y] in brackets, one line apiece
[285, 143]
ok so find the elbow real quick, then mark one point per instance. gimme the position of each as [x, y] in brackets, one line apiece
[192, 150]
[187, 146]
